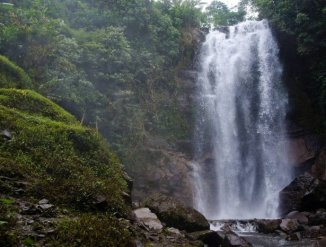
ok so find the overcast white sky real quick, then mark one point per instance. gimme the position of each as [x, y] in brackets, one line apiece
[229, 3]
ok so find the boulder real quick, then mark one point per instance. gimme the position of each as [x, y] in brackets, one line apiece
[148, 219]
[233, 240]
[175, 214]
[223, 239]
[295, 236]
[268, 226]
[311, 232]
[300, 217]
[289, 225]
[319, 218]
[315, 198]
[209, 238]
[174, 231]
[304, 193]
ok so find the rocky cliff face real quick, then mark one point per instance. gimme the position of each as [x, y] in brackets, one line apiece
[304, 148]
[170, 174]
[166, 165]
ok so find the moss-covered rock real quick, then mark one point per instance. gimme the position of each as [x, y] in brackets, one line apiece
[175, 214]
[33, 103]
[12, 75]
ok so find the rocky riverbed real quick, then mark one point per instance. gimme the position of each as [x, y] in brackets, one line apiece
[167, 222]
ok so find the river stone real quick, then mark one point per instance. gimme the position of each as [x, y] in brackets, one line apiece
[6, 134]
[175, 214]
[289, 225]
[233, 240]
[209, 238]
[268, 226]
[46, 206]
[149, 219]
[43, 201]
[173, 230]
[295, 236]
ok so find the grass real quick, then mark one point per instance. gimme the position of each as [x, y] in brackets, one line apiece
[91, 230]
[62, 161]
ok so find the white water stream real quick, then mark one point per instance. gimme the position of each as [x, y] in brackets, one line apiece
[240, 163]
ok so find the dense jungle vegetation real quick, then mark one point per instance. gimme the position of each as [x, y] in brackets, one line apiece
[118, 67]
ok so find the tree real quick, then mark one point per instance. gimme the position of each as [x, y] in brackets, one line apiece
[220, 15]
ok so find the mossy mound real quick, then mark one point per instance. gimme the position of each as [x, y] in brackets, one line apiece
[12, 75]
[64, 161]
[46, 153]
[33, 103]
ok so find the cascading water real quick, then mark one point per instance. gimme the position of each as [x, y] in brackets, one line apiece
[240, 163]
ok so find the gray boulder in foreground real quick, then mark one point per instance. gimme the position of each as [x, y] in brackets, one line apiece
[175, 214]
[148, 219]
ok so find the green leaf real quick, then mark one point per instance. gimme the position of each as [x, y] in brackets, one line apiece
[6, 201]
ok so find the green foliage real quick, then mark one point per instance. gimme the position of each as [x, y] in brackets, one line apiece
[112, 64]
[29, 242]
[7, 222]
[6, 201]
[220, 15]
[12, 76]
[65, 162]
[91, 230]
[305, 21]
[184, 13]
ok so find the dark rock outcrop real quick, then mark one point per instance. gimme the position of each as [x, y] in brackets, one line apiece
[175, 214]
[319, 168]
[304, 193]
[169, 174]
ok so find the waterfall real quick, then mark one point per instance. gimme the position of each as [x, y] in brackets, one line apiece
[240, 161]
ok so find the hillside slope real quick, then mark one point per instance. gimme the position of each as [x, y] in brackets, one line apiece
[57, 178]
